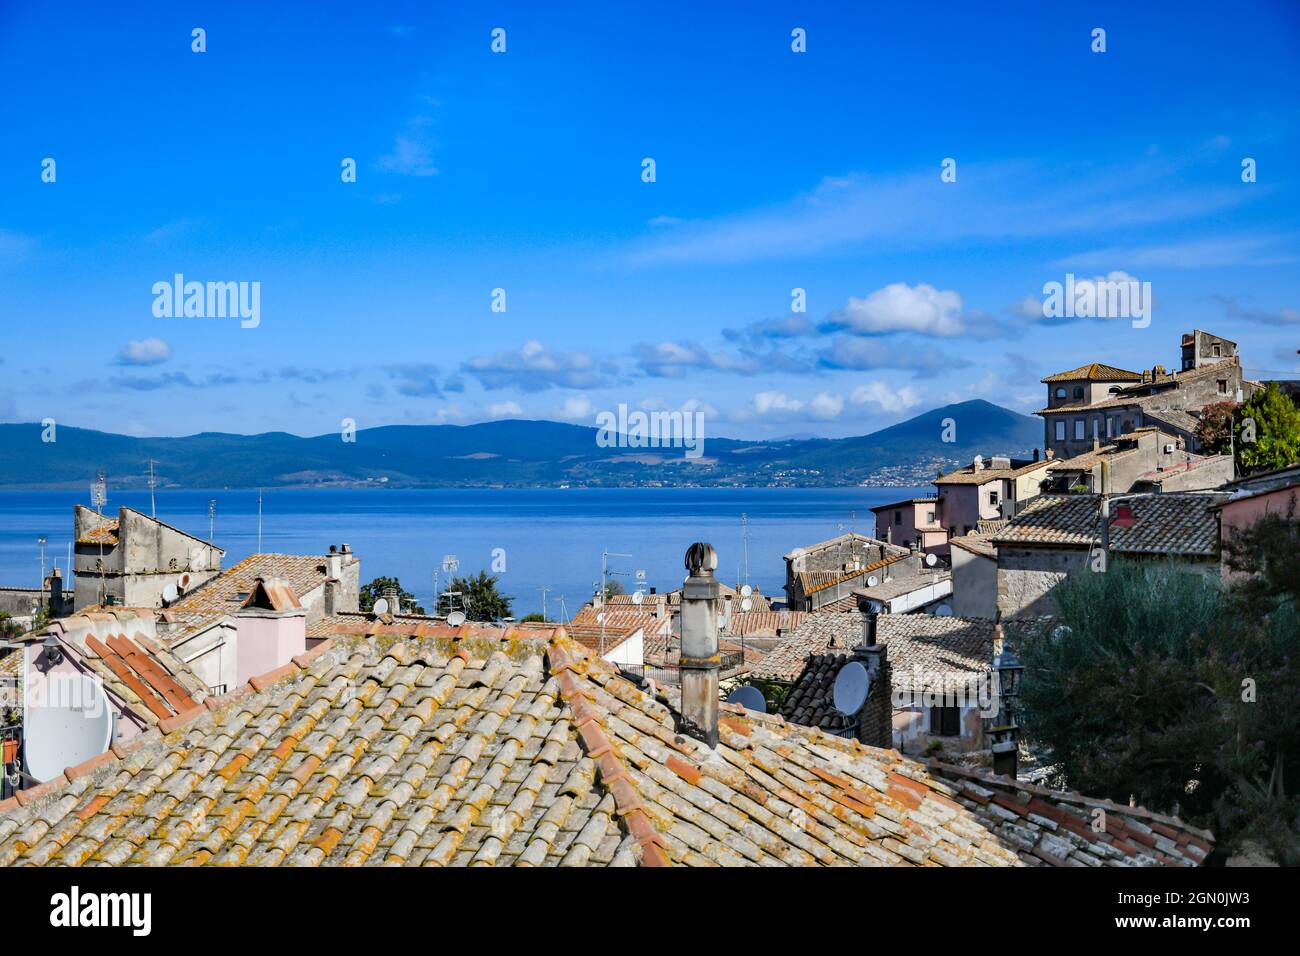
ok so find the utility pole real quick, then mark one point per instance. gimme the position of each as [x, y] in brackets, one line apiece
[544, 591]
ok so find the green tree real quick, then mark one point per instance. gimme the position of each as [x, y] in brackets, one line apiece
[612, 587]
[535, 617]
[1276, 421]
[478, 598]
[373, 591]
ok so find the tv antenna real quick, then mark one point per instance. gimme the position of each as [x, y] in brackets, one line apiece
[744, 537]
[153, 483]
[605, 572]
[545, 590]
[212, 519]
[259, 520]
[41, 541]
[99, 492]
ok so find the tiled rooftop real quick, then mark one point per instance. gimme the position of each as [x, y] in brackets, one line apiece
[1177, 524]
[222, 594]
[497, 753]
[763, 623]
[1095, 372]
[621, 623]
[818, 633]
[967, 475]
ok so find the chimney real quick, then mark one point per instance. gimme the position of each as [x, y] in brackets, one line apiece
[978, 463]
[700, 658]
[1035, 454]
[876, 719]
[393, 597]
[270, 629]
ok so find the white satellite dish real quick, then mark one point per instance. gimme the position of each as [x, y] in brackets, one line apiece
[381, 606]
[943, 610]
[746, 591]
[749, 697]
[73, 723]
[638, 597]
[872, 580]
[851, 686]
[746, 604]
[170, 593]
[456, 618]
[600, 618]
[931, 560]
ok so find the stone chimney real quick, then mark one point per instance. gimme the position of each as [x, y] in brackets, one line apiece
[700, 658]
[876, 719]
[393, 597]
[270, 629]
[1035, 454]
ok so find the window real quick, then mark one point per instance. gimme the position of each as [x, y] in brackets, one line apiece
[945, 722]
[1060, 393]
[1079, 429]
[993, 498]
[1060, 429]
[929, 517]
[1110, 427]
[898, 517]
[1218, 351]
[1078, 392]
[1223, 386]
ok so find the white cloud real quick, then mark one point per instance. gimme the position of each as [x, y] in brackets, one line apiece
[504, 410]
[885, 398]
[150, 351]
[778, 406]
[899, 307]
[577, 408]
[412, 153]
[534, 367]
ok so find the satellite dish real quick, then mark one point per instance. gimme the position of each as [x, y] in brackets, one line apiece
[851, 688]
[746, 604]
[169, 593]
[872, 580]
[75, 724]
[381, 606]
[931, 560]
[749, 697]
[638, 597]
[456, 618]
[746, 591]
[600, 618]
[943, 610]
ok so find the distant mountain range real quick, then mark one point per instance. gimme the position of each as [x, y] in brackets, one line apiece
[510, 453]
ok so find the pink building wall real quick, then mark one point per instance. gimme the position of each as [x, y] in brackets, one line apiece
[1235, 515]
[265, 641]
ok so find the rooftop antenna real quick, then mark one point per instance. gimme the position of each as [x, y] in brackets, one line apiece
[41, 541]
[153, 483]
[259, 520]
[564, 611]
[212, 519]
[98, 497]
[545, 590]
[744, 535]
[605, 572]
[450, 565]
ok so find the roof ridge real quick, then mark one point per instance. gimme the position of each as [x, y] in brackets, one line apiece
[588, 718]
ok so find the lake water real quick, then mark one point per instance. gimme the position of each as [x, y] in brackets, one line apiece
[551, 537]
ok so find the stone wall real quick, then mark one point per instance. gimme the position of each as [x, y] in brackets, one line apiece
[1026, 577]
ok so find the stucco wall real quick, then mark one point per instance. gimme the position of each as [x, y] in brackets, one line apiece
[1026, 577]
[974, 585]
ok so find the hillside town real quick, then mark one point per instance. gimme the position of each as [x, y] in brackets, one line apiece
[282, 711]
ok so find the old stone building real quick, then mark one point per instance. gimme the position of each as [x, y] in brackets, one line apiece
[134, 559]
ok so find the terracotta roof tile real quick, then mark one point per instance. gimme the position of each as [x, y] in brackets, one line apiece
[1175, 524]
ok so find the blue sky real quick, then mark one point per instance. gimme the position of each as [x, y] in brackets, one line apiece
[522, 171]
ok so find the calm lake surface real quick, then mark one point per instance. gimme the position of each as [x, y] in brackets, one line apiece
[551, 537]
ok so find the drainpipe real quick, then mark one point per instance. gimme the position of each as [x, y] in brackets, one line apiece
[700, 657]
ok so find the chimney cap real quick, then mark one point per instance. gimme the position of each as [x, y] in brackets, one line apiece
[701, 559]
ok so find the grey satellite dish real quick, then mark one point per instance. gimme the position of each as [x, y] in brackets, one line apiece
[851, 688]
[749, 697]
[872, 580]
[746, 591]
[381, 606]
[170, 593]
[943, 610]
[638, 597]
[746, 604]
[931, 560]
[456, 618]
[600, 618]
[73, 724]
